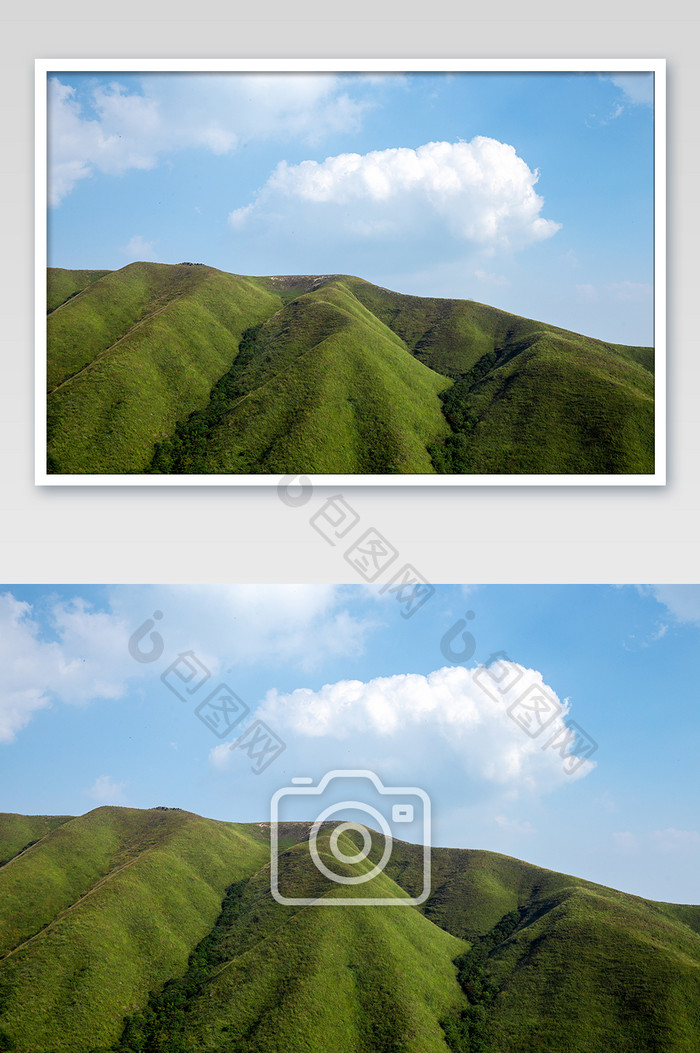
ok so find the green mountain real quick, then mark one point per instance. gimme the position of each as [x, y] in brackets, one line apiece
[185, 369]
[126, 930]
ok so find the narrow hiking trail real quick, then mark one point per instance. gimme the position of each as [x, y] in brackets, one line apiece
[103, 354]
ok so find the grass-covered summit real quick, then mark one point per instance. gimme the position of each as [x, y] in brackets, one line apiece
[128, 931]
[183, 369]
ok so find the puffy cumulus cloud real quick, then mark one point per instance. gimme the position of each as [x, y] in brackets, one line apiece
[477, 192]
[447, 717]
[121, 135]
[131, 123]
[21, 693]
[82, 660]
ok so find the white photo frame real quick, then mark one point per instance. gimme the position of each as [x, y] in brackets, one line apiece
[45, 67]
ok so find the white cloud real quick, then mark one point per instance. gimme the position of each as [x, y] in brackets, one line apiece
[444, 716]
[71, 653]
[140, 249]
[682, 601]
[674, 841]
[299, 625]
[479, 193]
[105, 790]
[668, 842]
[220, 756]
[606, 801]
[514, 826]
[630, 291]
[83, 663]
[637, 88]
[132, 125]
[587, 293]
[615, 292]
[625, 841]
[491, 279]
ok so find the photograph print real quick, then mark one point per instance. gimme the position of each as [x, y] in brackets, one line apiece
[451, 272]
[339, 819]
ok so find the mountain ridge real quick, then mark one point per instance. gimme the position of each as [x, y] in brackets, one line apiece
[140, 930]
[339, 377]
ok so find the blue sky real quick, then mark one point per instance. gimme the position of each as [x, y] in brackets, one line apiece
[529, 191]
[345, 682]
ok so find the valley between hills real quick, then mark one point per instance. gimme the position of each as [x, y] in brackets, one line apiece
[155, 930]
[162, 369]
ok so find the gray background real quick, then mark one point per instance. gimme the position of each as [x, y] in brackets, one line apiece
[450, 534]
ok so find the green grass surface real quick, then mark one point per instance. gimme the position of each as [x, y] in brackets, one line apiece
[141, 931]
[20, 832]
[102, 911]
[328, 388]
[63, 285]
[181, 369]
[137, 351]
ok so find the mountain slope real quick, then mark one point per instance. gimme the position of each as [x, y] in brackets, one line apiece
[136, 351]
[133, 930]
[185, 369]
[104, 909]
[20, 832]
[527, 397]
[316, 979]
[326, 386]
[577, 967]
[62, 285]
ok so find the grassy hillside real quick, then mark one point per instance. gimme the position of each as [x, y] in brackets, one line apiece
[185, 369]
[321, 386]
[135, 352]
[62, 285]
[127, 931]
[19, 832]
[102, 911]
[298, 979]
[527, 397]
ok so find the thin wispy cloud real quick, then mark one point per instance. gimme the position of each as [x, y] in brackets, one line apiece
[105, 790]
[139, 248]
